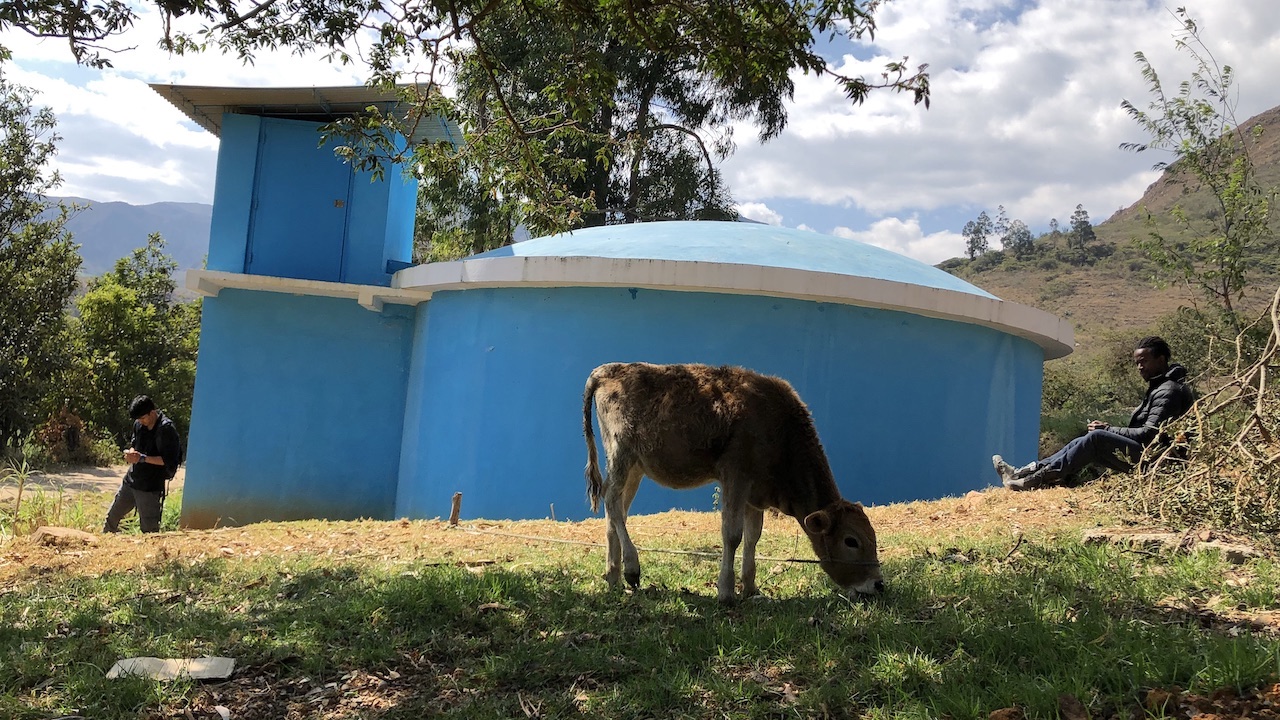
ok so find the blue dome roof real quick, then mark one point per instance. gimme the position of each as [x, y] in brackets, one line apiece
[739, 243]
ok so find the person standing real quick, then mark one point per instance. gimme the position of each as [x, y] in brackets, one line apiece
[1117, 448]
[153, 456]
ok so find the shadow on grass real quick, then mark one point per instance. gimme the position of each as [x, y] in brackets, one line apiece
[950, 638]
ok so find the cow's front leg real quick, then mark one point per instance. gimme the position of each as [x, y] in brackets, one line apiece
[753, 525]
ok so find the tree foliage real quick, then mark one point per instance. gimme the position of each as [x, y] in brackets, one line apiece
[1018, 240]
[135, 339]
[646, 152]
[976, 233]
[1081, 234]
[38, 264]
[1197, 126]
[532, 116]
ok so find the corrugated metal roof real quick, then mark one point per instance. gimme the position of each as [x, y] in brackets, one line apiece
[205, 105]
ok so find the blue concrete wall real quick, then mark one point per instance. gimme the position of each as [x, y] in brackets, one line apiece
[381, 229]
[298, 409]
[287, 208]
[233, 192]
[907, 407]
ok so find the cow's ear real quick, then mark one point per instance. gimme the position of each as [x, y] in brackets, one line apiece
[818, 522]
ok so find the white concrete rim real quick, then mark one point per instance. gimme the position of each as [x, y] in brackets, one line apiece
[1055, 336]
[371, 297]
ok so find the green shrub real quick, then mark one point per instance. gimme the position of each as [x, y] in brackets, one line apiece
[1055, 289]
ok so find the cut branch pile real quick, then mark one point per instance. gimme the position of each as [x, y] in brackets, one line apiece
[1221, 465]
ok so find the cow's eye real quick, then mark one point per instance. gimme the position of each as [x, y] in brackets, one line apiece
[851, 542]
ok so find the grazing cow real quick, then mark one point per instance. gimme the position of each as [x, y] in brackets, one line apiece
[687, 425]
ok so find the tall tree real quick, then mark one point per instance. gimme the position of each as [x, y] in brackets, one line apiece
[1000, 227]
[648, 153]
[1211, 152]
[976, 233]
[135, 339]
[1017, 239]
[740, 55]
[1081, 234]
[38, 263]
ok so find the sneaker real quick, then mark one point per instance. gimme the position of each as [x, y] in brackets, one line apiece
[1039, 478]
[1009, 473]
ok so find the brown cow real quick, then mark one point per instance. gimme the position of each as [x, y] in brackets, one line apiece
[687, 425]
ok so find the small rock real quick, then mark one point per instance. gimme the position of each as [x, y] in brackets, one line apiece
[1162, 701]
[1232, 552]
[1009, 713]
[1070, 708]
[63, 537]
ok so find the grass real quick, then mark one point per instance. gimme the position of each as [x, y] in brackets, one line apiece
[505, 627]
[33, 505]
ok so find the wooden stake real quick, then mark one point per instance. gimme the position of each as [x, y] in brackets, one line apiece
[457, 508]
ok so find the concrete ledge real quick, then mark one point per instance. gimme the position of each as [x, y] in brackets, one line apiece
[210, 282]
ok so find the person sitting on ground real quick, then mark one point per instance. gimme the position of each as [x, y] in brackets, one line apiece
[1116, 448]
[153, 456]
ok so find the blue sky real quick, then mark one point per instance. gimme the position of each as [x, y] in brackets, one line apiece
[1025, 114]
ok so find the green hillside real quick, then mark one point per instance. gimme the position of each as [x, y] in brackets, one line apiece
[1113, 286]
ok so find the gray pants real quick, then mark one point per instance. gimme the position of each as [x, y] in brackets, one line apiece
[150, 506]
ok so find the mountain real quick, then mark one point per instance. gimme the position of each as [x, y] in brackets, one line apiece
[1120, 288]
[108, 231]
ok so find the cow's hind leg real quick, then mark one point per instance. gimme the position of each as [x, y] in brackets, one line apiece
[620, 490]
[753, 525]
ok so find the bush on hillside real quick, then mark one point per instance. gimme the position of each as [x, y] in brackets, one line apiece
[65, 439]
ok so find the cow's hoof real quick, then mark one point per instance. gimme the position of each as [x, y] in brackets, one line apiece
[633, 579]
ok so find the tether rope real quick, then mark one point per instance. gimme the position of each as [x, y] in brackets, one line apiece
[698, 553]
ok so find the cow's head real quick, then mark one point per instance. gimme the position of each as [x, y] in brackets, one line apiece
[845, 544]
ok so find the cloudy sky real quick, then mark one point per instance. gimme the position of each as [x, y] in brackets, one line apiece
[1025, 114]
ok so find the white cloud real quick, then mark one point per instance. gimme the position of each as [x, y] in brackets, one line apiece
[1025, 109]
[906, 238]
[760, 213]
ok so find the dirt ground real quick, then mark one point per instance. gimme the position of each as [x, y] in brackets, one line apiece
[992, 513]
[80, 481]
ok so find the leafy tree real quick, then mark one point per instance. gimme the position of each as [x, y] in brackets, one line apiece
[976, 233]
[598, 57]
[1211, 153]
[136, 339]
[1017, 239]
[1000, 226]
[38, 264]
[1081, 234]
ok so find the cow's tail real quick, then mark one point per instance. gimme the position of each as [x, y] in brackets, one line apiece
[595, 484]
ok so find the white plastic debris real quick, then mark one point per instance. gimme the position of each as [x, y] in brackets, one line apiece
[205, 668]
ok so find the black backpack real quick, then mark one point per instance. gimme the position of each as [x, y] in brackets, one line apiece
[182, 450]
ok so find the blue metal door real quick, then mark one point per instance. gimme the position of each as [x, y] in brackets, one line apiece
[301, 197]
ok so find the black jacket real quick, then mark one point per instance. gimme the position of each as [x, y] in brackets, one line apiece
[1167, 399]
[163, 441]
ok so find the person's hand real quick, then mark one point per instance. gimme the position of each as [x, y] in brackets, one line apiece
[132, 456]
[1098, 425]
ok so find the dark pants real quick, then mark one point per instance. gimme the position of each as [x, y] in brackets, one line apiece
[150, 506]
[1101, 447]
